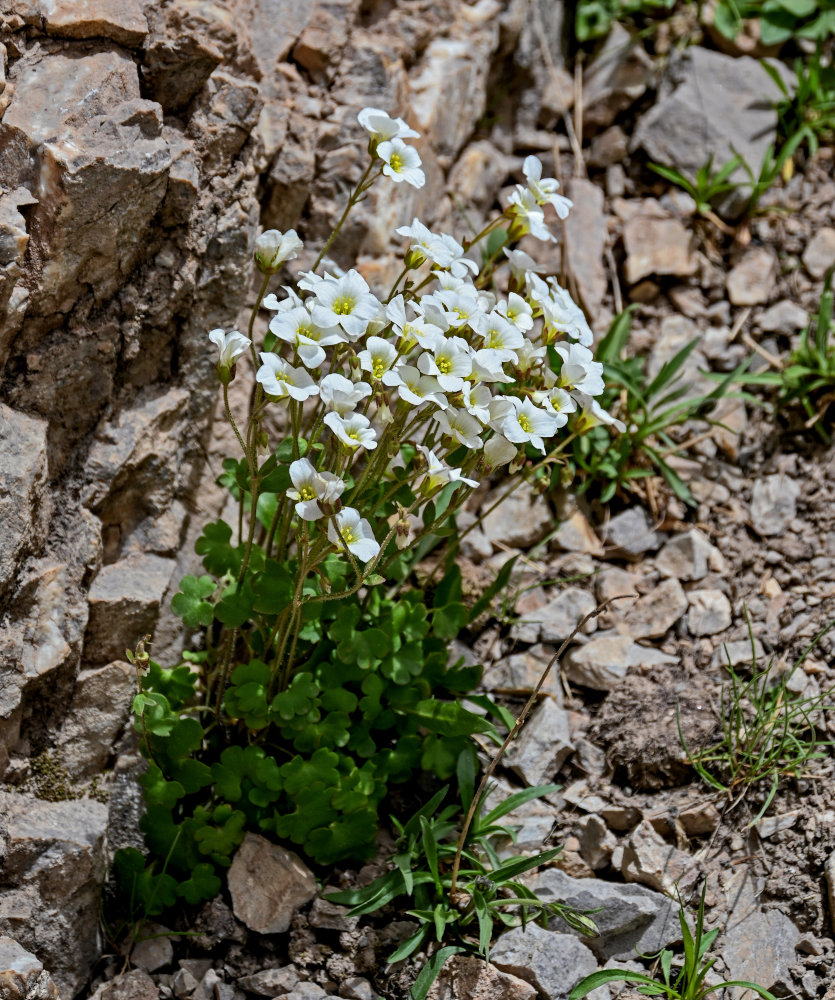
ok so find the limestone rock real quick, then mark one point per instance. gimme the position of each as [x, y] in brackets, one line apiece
[14, 239]
[631, 533]
[758, 945]
[22, 976]
[751, 282]
[689, 557]
[617, 76]
[773, 502]
[631, 918]
[79, 129]
[52, 870]
[468, 976]
[551, 962]
[324, 37]
[564, 613]
[784, 317]
[819, 254]
[271, 982]
[585, 242]
[652, 615]
[604, 661]
[710, 104]
[575, 534]
[133, 985]
[710, 612]
[100, 708]
[224, 113]
[123, 21]
[647, 858]
[124, 603]
[656, 246]
[542, 746]
[522, 520]
[268, 884]
[24, 502]
[596, 841]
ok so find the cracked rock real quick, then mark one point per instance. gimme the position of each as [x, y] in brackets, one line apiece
[647, 858]
[268, 884]
[468, 976]
[22, 976]
[542, 746]
[710, 612]
[689, 557]
[551, 962]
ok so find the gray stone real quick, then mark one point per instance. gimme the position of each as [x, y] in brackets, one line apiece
[542, 746]
[584, 242]
[121, 20]
[100, 708]
[560, 617]
[522, 520]
[630, 918]
[711, 104]
[596, 841]
[304, 991]
[773, 504]
[617, 76]
[784, 317]
[656, 246]
[709, 613]
[155, 950]
[53, 866]
[631, 533]
[223, 114]
[357, 988]
[604, 661]
[752, 281]
[183, 984]
[271, 982]
[124, 603]
[738, 653]
[551, 962]
[22, 976]
[654, 614]
[647, 858]
[575, 534]
[521, 672]
[268, 884]
[468, 976]
[689, 557]
[829, 871]
[133, 985]
[819, 254]
[769, 825]
[24, 502]
[758, 945]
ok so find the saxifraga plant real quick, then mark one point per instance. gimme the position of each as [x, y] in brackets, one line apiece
[321, 678]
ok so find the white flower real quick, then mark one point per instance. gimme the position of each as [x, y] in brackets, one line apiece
[529, 356]
[529, 214]
[450, 363]
[476, 399]
[354, 431]
[292, 301]
[558, 402]
[230, 346]
[487, 365]
[517, 312]
[311, 487]
[380, 126]
[273, 248]
[527, 422]
[295, 326]
[281, 379]
[401, 162]
[498, 451]
[415, 388]
[544, 190]
[438, 474]
[562, 314]
[460, 426]
[501, 335]
[579, 369]
[355, 533]
[378, 357]
[411, 331]
[521, 263]
[440, 248]
[593, 414]
[341, 394]
[460, 306]
[345, 302]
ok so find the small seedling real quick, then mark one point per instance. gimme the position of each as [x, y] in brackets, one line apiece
[768, 733]
[689, 982]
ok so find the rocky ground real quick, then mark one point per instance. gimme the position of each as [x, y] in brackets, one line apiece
[141, 147]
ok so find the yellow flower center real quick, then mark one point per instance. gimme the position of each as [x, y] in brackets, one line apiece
[307, 493]
[344, 305]
[444, 366]
[396, 162]
[349, 536]
[378, 368]
[525, 423]
[305, 330]
[354, 435]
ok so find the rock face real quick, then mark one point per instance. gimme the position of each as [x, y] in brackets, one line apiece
[268, 884]
[22, 976]
[53, 863]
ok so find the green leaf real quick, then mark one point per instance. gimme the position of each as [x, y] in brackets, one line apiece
[219, 557]
[495, 587]
[429, 973]
[235, 607]
[603, 976]
[273, 589]
[190, 604]
[203, 885]
[448, 718]
[158, 791]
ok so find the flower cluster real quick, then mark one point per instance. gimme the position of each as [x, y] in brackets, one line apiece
[443, 378]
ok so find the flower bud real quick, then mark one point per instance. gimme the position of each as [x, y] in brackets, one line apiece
[273, 248]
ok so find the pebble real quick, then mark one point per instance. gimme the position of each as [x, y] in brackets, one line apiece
[603, 662]
[819, 254]
[652, 615]
[710, 612]
[631, 533]
[773, 504]
[689, 557]
[543, 745]
[784, 317]
[560, 617]
[551, 962]
[752, 281]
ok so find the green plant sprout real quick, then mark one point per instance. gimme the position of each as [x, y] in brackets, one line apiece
[708, 186]
[689, 982]
[650, 408]
[779, 20]
[805, 112]
[768, 733]
[808, 379]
